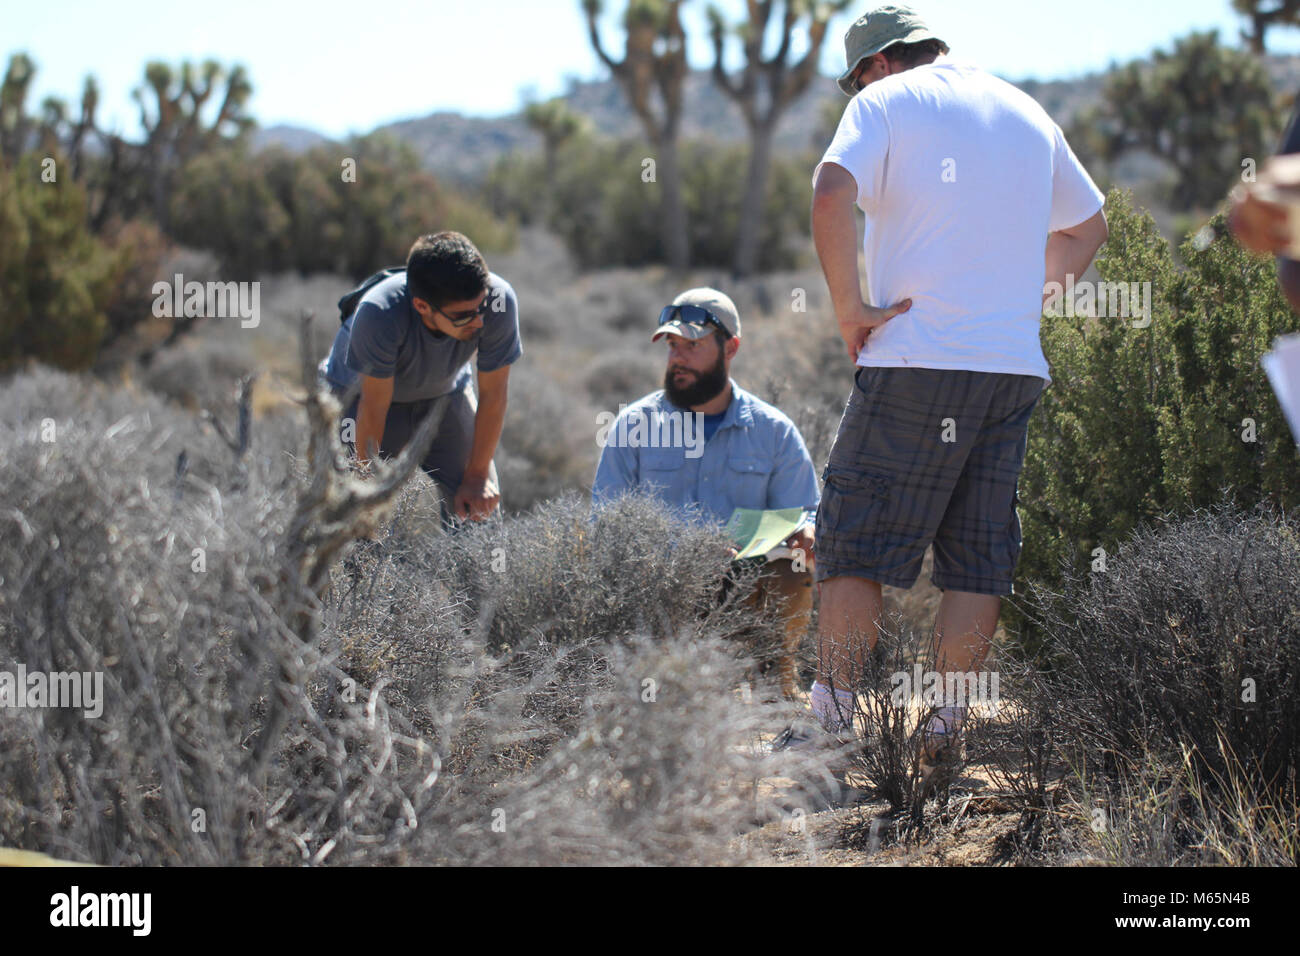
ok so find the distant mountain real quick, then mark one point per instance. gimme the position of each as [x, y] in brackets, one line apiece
[295, 139]
[461, 148]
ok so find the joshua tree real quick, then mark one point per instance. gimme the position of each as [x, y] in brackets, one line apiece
[174, 127]
[654, 61]
[58, 132]
[557, 124]
[1264, 14]
[763, 90]
[14, 122]
[1200, 108]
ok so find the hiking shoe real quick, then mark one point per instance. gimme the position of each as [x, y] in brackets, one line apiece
[821, 763]
[809, 738]
[805, 736]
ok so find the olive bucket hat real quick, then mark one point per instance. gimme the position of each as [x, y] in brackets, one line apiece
[881, 28]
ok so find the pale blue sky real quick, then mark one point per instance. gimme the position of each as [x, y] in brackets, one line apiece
[338, 67]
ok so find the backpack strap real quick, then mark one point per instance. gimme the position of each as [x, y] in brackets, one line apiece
[348, 304]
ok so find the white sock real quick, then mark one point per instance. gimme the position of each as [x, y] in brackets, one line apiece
[833, 711]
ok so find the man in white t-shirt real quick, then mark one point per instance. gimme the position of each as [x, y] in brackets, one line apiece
[973, 201]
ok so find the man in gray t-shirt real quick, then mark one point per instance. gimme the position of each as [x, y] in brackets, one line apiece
[409, 342]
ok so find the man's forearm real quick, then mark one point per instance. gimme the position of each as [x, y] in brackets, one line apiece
[370, 432]
[835, 234]
[1068, 256]
[488, 423]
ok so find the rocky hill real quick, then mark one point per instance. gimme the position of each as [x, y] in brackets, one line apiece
[461, 147]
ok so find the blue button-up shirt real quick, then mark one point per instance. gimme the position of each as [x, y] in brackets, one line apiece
[756, 458]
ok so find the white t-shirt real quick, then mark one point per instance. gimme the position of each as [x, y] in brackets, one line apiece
[961, 176]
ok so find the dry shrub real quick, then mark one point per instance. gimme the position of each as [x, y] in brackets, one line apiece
[1166, 694]
[432, 691]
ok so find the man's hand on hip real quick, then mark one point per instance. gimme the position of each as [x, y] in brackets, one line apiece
[856, 326]
[476, 498]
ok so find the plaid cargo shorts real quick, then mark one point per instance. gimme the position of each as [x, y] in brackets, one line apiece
[927, 456]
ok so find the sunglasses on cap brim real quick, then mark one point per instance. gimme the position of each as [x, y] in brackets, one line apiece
[692, 315]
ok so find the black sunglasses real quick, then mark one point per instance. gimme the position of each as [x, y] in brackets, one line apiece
[465, 318]
[692, 315]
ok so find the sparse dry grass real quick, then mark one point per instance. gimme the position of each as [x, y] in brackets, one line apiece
[449, 712]
[446, 695]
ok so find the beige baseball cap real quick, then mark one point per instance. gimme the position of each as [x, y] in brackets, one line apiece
[882, 27]
[678, 321]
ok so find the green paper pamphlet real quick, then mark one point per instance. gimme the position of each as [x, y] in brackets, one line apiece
[756, 532]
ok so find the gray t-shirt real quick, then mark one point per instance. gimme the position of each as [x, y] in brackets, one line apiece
[385, 338]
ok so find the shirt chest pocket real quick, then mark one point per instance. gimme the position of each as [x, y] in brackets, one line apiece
[747, 480]
[661, 466]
